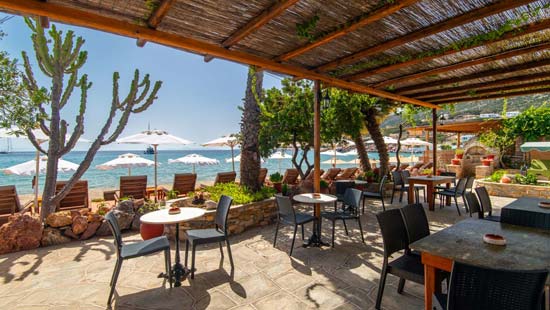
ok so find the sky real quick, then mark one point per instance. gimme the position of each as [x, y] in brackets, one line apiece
[197, 101]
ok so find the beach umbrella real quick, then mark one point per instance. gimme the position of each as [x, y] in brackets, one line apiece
[333, 153]
[225, 141]
[238, 159]
[415, 142]
[195, 159]
[280, 155]
[128, 161]
[155, 138]
[335, 162]
[387, 140]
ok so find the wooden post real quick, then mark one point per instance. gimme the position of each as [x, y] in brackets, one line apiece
[434, 139]
[458, 140]
[317, 137]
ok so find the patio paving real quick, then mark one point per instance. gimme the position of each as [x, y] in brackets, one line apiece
[76, 275]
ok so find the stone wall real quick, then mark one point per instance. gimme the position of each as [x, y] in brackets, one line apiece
[515, 190]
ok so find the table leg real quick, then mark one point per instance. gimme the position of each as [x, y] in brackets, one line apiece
[448, 198]
[410, 194]
[431, 198]
[315, 239]
[429, 286]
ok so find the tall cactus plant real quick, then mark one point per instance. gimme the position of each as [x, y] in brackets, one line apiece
[60, 58]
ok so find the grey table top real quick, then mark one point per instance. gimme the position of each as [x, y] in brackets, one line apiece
[526, 249]
[528, 204]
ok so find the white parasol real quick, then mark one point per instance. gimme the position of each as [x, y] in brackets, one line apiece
[415, 142]
[195, 159]
[28, 168]
[127, 160]
[387, 140]
[280, 155]
[230, 141]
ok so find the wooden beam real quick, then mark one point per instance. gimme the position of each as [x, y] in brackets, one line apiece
[445, 25]
[348, 27]
[507, 81]
[156, 17]
[467, 63]
[503, 95]
[317, 137]
[254, 24]
[518, 32]
[101, 22]
[495, 90]
[434, 142]
[473, 76]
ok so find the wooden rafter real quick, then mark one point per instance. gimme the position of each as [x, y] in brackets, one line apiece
[348, 27]
[489, 91]
[487, 73]
[503, 95]
[467, 63]
[521, 31]
[451, 23]
[100, 22]
[474, 87]
[156, 17]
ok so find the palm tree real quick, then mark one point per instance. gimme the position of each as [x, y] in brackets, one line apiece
[362, 153]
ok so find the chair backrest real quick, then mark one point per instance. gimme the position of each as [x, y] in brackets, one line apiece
[405, 175]
[470, 183]
[115, 229]
[426, 166]
[416, 222]
[133, 186]
[285, 210]
[9, 201]
[394, 233]
[331, 174]
[417, 165]
[460, 187]
[382, 186]
[342, 186]
[485, 200]
[473, 204]
[184, 183]
[291, 176]
[473, 287]
[262, 176]
[449, 174]
[225, 177]
[222, 212]
[309, 176]
[403, 166]
[77, 198]
[348, 173]
[352, 199]
[397, 178]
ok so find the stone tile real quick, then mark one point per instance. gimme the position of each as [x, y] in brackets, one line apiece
[280, 300]
[250, 288]
[292, 280]
[317, 295]
[214, 301]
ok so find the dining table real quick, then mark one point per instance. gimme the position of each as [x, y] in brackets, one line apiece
[316, 200]
[526, 211]
[430, 182]
[526, 248]
[162, 216]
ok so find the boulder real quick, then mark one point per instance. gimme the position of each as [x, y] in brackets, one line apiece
[210, 205]
[125, 206]
[90, 231]
[94, 217]
[53, 236]
[21, 232]
[136, 222]
[124, 219]
[67, 231]
[59, 219]
[84, 212]
[74, 213]
[80, 224]
[104, 230]
[138, 203]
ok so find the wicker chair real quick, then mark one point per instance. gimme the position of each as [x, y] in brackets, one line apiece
[486, 205]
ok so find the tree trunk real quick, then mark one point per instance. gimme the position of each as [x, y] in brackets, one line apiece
[250, 128]
[376, 134]
[362, 153]
[399, 146]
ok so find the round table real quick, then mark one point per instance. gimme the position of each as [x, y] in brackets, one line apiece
[162, 216]
[317, 200]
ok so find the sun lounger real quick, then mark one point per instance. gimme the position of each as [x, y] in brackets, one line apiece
[9, 202]
[76, 199]
[133, 187]
[225, 177]
[291, 177]
[347, 174]
[184, 183]
[331, 174]
[262, 176]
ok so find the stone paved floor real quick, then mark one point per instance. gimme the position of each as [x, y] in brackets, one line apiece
[76, 275]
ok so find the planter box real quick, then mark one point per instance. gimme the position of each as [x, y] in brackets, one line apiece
[515, 190]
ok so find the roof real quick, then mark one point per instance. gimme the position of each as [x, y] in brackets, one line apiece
[475, 126]
[420, 52]
[543, 146]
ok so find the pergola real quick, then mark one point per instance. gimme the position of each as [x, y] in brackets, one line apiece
[426, 53]
[470, 126]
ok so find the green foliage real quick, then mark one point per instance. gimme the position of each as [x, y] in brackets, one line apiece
[240, 194]
[275, 177]
[446, 147]
[496, 176]
[98, 200]
[528, 179]
[172, 194]
[102, 208]
[306, 29]
[459, 151]
[148, 206]
[323, 184]
[284, 189]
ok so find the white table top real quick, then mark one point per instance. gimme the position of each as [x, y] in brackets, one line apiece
[308, 198]
[163, 217]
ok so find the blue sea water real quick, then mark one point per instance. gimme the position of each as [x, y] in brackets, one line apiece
[109, 179]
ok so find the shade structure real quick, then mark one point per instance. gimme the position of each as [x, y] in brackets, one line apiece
[387, 140]
[415, 142]
[128, 161]
[280, 155]
[228, 140]
[195, 159]
[155, 138]
[336, 162]
[543, 146]
[238, 159]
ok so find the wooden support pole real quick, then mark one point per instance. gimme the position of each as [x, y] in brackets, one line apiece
[458, 140]
[434, 141]
[317, 137]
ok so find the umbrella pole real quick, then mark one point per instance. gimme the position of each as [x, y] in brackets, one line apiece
[232, 158]
[37, 174]
[193, 168]
[155, 148]
[129, 171]
[279, 165]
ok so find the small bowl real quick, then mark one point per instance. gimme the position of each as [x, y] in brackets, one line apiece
[316, 195]
[174, 211]
[494, 239]
[544, 204]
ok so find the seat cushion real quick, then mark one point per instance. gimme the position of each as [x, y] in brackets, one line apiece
[145, 247]
[371, 195]
[202, 236]
[408, 267]
[302, 218]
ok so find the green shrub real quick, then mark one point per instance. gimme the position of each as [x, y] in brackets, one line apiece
[276, 177]
[323, 184]
[98, 200]
[496, 176]
[240, 194]
[172, 194]
[528, 179]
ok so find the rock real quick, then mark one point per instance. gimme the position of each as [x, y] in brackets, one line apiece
[104, 229]
[69, 233]
[80, 224]
[94, 217]
[124, 219]
[136, 222]
[90, 231]
[21, 232]
[210, 205]
[53, 236]
[59, 219]
[125, 206]
[84, 212]
[138, 203]
[74, 213]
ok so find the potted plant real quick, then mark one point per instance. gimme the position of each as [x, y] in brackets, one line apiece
[284, 189]
[324, 187]
[486, 162]
[149, 231]
[172, 194]
[370, 176]
[427, 172]
[455, 161]
[276, 179]
[491, 156]
[459, 153]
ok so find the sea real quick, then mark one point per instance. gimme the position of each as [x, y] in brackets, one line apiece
[101, 179]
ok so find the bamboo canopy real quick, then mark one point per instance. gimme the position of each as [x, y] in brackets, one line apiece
[410, 51]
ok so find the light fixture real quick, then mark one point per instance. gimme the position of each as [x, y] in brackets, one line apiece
[325, 100]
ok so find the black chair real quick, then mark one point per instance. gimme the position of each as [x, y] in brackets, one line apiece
[406, 266]
[288, 216]
[486, 205]
[417, 188]
[398, 185]
[446, 174]
[473, 204]
[455, 192]
[349, 211]
[473, 287]
[376, 195]
[136, 249]
[341, 187]
[416, 222]
[470, 184]
[211, 235]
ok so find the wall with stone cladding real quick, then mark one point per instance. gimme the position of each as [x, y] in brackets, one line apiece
[515, 190]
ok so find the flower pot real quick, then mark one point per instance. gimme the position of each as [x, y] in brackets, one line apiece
[149, 231]
[486, 162]
[491, 156]
[278, 186]
[455, 161]
[459, 156]
[324, 190]
[506, 180]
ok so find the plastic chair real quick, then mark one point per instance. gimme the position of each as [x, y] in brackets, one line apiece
[486, 205]
[473, 204]
[211, 235]
[349, 211]
[416, 222]
[136, 249]
[376, 195]
[458, 190]
[288, 216]
[405, 174]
